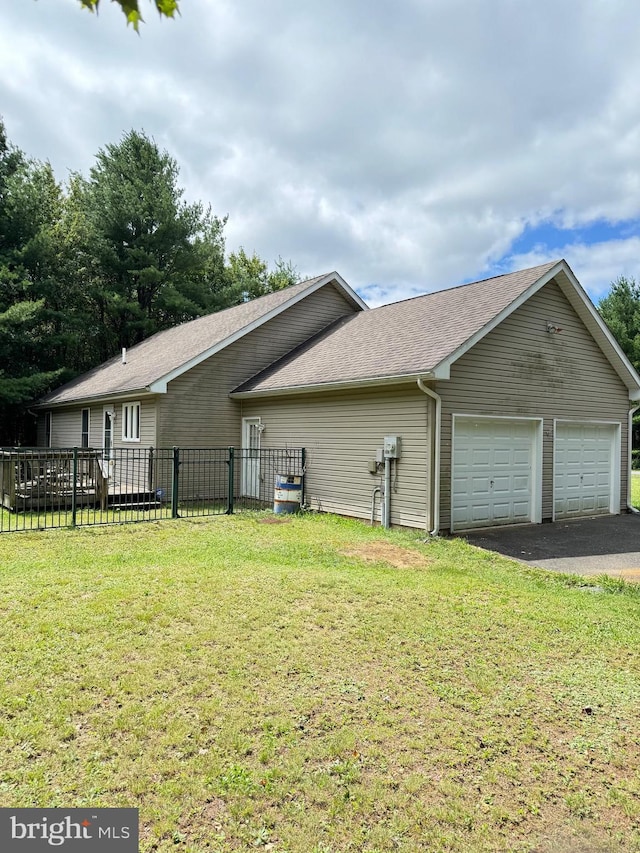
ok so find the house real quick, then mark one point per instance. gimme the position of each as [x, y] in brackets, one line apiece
[502, 401]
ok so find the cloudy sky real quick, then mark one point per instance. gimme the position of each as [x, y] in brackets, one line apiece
[409, 144]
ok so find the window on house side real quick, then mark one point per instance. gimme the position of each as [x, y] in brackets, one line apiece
[47, 429]
[84, 435]
[131, 421]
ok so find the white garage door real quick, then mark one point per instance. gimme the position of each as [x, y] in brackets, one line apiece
[585, 469]
[494, 472]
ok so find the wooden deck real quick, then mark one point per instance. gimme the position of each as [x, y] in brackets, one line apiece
[34, 480]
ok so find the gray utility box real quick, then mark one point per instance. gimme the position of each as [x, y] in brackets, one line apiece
[392, 447]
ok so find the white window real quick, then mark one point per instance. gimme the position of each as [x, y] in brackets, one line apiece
[47, 429]
[131, 421]
[84, 429]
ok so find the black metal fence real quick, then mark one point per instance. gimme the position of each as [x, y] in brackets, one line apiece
[58, 487]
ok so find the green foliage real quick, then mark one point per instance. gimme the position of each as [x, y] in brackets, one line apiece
[103, 262]
[131, 9]
[620, 310]
[250, 277]
[157, 261]
[32, 333]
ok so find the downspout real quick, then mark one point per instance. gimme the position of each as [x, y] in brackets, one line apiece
[632, 411]
[436, 455]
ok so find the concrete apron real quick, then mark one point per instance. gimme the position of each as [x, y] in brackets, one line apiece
[605, 545]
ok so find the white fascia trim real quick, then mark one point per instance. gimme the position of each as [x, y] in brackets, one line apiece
[491, 325]
[332, 386]
[94, 399]
[584, 303]
[160, 385]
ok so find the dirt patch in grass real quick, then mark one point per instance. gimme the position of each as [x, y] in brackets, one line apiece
[630, 574]
[273, 519]
[387, 552]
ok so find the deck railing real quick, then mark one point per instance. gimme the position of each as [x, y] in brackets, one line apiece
[58, 487]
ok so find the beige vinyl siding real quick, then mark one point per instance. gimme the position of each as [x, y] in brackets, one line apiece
[66, 425]
[197, 410]
[40, 430]
[341, 433]
[520, 369]
[66, 428]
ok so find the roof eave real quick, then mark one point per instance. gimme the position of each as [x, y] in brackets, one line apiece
[397, 379]
[92, 398]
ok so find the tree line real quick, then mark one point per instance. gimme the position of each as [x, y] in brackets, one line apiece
[101, 262]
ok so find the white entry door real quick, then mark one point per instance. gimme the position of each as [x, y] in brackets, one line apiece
[251, 431]
[586, 465]
[107, 431]
[495, 472]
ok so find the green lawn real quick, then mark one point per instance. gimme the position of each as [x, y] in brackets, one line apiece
[635, 489]
[316, 685]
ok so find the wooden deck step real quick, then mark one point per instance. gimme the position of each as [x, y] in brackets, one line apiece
[142, 506]
[142, 500]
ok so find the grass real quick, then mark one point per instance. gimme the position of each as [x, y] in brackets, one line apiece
[315, 686]
[635, 489]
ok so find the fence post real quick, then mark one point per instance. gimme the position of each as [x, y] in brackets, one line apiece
[303, 459]
[74, 488]
[231, 481]
[150, 470]
[175, 482]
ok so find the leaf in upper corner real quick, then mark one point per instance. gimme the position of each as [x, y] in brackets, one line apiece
[168, 8]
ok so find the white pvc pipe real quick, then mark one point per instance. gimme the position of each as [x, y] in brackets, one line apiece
[386, 516]
[376, 491]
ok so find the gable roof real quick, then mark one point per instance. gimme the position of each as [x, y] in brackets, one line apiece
[424, 336]
[151, 364]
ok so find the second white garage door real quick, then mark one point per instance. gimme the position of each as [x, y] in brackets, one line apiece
[586, 462]
[495, 472]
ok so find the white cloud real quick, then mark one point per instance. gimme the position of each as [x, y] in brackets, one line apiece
[597, 265]
[406, 145]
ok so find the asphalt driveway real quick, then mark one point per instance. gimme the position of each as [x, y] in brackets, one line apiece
[590, 546]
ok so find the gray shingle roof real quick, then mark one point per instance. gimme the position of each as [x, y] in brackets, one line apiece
[404, 338]
[167, 351]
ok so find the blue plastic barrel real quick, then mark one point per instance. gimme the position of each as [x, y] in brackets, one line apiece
[287, 496]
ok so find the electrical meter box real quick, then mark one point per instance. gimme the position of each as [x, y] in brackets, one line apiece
[392, 446]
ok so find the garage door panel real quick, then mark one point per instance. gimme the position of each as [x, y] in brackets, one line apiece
[521, 485]
[481, 513]
[495, 458]
[501, 485]
[584, 460]
[501, 512]
[480, 457]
